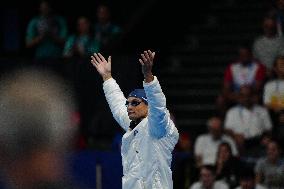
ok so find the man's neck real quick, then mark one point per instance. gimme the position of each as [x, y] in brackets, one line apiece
[134, 123]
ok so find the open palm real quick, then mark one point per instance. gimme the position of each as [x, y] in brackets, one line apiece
[102, 66]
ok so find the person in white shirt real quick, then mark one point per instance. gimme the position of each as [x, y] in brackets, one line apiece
[247, 121]
[270, 168]
[206, 145]
[269, 45]
[150, 134]
[273, 98]
[207, 179]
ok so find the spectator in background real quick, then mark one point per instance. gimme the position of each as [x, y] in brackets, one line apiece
[82, 44]
[269, 45]
[247, 121]
[106, 32]
[273, 97]
[36, 130]
[208, 179]
[46, 33]
[270, 169]
[247, 180]
[228, 166]
[278, 13]
[245, 71]
[206, 145]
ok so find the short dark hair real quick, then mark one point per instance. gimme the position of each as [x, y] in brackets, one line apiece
[209, 167]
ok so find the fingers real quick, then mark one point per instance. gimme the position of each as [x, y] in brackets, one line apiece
[101, 57]
[147, 56]
[151, 55]
[141, 62]
[94, 62]
[146, 53]
[144, 59]
[98, 58]
[109, 59]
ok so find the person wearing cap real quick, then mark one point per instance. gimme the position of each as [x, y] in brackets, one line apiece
[150, 134]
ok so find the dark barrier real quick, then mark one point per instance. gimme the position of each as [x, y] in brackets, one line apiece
[96, 170]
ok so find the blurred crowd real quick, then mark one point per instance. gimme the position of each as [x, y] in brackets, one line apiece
[48, 36]
[243, 146]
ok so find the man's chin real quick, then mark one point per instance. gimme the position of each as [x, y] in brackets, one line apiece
[132, 117]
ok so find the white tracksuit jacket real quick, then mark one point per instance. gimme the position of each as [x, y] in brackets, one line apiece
[147, 149]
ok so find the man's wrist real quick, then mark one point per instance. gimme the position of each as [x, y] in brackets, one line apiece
[106, 77]
[148, 77]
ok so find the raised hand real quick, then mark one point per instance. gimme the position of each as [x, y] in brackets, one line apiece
[102, 66]
[147, 60]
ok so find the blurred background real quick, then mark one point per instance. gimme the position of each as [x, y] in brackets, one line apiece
[206, 52]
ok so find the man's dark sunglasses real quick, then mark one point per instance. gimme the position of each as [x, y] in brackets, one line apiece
[132, 103]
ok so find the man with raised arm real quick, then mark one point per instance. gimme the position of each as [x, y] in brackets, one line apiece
[150, 134]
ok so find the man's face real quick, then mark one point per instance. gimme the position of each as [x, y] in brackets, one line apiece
[207, 178]
[44, 8]
[83, 25]
[245, 55]
[245, 96]
[269, 26]
[280, 4]
[103, 14]
[215, 127]
[272, 151]
[136, 108]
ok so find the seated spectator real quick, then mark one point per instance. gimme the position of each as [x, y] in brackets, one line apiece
[269, 45]
[245, 71]
[82, 44]
[106, 32]
[46, 33]
[247, 121]
[206, 145]
[270, 169]
[247, 180]
[207, 179]
[228, 166]
[273, 97]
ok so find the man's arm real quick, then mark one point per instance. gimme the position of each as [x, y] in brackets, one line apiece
[113, 93]
[160, 123]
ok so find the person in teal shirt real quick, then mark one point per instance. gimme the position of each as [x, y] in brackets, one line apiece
[82, 44]
[106, 32]
[46, 33]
